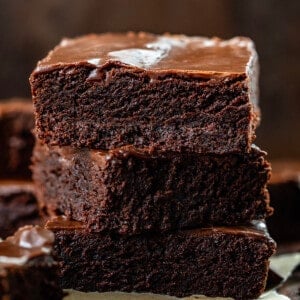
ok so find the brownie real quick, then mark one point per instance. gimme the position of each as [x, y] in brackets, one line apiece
[16, 138]
[167, 92]
[217, 261]
[284, 189]
[130, 191]
[18, 206]
[27, 270]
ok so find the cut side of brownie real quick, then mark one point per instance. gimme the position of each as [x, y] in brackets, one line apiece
[130, 191]
[284, 190]
[168, 92]
[16, 138]
[27, 270]
[217, 261]
[18, 206]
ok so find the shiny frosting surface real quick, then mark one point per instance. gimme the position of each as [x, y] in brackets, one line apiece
[256, 228]
[156, 53]
[26, 243]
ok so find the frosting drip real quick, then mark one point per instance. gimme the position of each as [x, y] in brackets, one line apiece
[26, 243]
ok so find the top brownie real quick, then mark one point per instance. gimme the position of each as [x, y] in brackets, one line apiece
[167, 92]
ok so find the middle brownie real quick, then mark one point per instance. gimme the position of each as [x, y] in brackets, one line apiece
[129, 192]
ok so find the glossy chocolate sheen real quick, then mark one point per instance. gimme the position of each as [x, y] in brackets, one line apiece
[27, 270]
[198, 56]
[28, 242]
[256, 228]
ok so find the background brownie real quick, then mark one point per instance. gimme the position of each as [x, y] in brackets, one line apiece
[129, 191]
[16, 139]
[220, 261]
[166, 92]
[284, 189]
[27, 271]
[18, 206]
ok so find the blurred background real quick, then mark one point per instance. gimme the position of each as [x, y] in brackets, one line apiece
[30, 28]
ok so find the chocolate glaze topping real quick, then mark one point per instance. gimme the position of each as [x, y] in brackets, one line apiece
[167, 54]
[28, 242]
[120, 152]
[256, 228]
[62, 222]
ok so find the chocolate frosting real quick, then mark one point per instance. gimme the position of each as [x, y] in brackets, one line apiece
[28, 242]
[198, 56]
[103, 156]
[256, 228]
[63, 223]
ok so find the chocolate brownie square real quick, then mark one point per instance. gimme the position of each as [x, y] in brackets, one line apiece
[27, 270]
[128, 191]
[167, 92]
[16, 138]
[217, 261]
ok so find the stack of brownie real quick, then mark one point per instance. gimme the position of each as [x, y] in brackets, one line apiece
[144, 161]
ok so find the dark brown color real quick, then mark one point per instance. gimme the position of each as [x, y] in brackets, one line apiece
[16, 138]
[129, 191]
[27, 271]
[166, 92]
[221, 261]
[18, 206]
[291, 288]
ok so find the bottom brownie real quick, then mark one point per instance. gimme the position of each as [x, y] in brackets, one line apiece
[27, 271]
[217, 261]
[18, 206]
